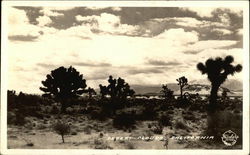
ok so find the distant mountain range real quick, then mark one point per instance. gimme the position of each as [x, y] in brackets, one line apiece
[202, 87]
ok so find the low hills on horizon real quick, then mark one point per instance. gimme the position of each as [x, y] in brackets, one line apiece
[235, 88]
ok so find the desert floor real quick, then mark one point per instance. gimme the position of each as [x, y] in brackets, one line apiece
[93, 134]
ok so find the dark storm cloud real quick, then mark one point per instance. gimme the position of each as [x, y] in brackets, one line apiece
[91, 64]
[162, 63]
[32, 13]
[136, 15]
[22, 38]
[144, 18]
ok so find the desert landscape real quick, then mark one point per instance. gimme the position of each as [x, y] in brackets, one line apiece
[142, 123]
[124, 77]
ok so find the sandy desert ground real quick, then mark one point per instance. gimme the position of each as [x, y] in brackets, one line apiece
[93, 134]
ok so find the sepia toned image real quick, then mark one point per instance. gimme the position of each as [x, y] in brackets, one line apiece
[125, 77]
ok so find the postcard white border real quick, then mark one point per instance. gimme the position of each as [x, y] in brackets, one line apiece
[4, 78]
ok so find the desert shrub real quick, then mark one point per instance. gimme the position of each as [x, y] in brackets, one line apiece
[204, 116]
[164, 119]
[179, 124]
[30, 144]
[73, 133]
[20, 119]
[194, 107]
[61, 128]
[189, 117]
[98, 114]
[11, 118]
[124, 120]
[149, 112]
[87, 129]
[156, 128]
[55, 109]
[69, 110]
[41, 126]
[170, 112]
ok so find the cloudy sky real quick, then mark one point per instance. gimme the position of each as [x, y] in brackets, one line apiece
[145, 45]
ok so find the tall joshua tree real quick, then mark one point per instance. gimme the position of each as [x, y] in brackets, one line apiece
[64, 84]
[182, 81]
[217, 71]
[117, 89]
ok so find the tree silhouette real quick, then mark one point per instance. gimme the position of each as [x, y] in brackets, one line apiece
[168, 93]
[91, 92]
[64, 84]
[182, 81]
[103, 91]
[117, 89]
[217, 71]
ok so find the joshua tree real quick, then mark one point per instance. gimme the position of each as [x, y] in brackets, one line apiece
[217, 71]
[168, 93]
[182, 81]
[117, 89]
[64, 84]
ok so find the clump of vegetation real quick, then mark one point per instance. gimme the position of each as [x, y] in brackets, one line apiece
[98, 114]
[190, 117]
[164, 119]
[179, 124]
[156, 128]
[167, 93]
[124, 121]
[149, 112]
[62, 129]
[118, 90]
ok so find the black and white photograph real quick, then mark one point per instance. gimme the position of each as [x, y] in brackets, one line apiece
[125, 77]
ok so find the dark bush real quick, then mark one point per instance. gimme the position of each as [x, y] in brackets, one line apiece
[20, 119]
[98, 114]
[156, 128]
[124, 121]
[164, 119]
[189, 117]
[179, 124]
[149, 112]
